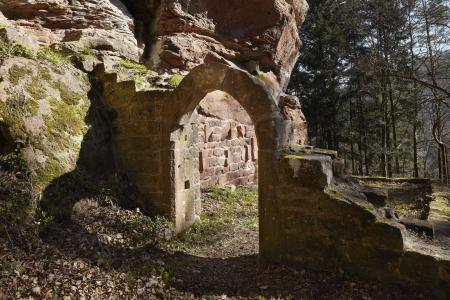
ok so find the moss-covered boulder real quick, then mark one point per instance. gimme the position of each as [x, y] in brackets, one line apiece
[43, 105]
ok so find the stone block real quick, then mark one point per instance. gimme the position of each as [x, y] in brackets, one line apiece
[384, 235]
[237, 142]
[313, 171]
[219, 152]
[419, 226]
[135, 162]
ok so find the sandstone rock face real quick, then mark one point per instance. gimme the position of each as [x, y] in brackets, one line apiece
[296, 125]
[257, 34]
[75, 25]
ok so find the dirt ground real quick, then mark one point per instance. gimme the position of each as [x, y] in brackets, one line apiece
[109, 253]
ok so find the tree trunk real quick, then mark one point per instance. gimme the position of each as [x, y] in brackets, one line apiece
[415, 159]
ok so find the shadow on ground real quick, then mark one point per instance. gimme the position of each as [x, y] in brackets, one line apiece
[241, 277]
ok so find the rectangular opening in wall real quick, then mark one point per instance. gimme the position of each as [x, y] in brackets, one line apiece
[187, 185]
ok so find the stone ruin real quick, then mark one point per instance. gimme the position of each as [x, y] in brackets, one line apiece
[310, 213]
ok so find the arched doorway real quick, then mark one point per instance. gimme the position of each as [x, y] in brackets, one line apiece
[216, 147]
[180, 159]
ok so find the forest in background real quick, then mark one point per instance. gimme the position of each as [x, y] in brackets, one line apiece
[373, 79]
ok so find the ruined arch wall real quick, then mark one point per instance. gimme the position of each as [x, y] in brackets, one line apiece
[307, 215]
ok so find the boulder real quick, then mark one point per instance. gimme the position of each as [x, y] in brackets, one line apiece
[257, 34]
[43, 109]
[76, 25]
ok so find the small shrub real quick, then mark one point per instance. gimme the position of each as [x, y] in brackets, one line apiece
[42, 218]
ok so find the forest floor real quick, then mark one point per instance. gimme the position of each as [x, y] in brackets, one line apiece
[106, 252]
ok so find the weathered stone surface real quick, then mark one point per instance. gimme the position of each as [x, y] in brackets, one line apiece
[103, 25]
[262, 33]
[44, 106]
[419, 226]
[338, 229]
[313, 171]
[410, 197]
[296, 127]
[376, 196]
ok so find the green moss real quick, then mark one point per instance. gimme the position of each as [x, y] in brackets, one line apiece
[68, 118]
[88, 51]
[334, 194]
[261, 75]
[46, 53]
[128, 64]
[16, 50]
[139, 78]
[16, 73]
[53, 169]
[44, 73]
[2, 26]
[293, 156]
[36, 89]
[34, 107]
[175, 80]
[310, 150]
[12, 115]
[67, 95]
[231, 208]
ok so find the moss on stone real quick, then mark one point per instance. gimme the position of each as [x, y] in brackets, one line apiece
[36, 89]
[34, 107]
[261, 75]
[128, 64]
[175, 80]
[294, 150]
[360, 203]
[294, 156]
[13, 117]
[88, 51]
[46, 53]
[53, 169]
[7, 49]
[334, 194]
[139, 79]
[16, 73]
[66, 117]
[44, 73]
[66, 94]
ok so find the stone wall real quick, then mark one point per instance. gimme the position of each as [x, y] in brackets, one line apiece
[328, 224]
[227, 143]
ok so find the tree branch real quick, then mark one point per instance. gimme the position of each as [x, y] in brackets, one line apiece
[424, 83]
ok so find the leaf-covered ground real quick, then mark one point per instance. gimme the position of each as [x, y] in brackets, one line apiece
[109, 253]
